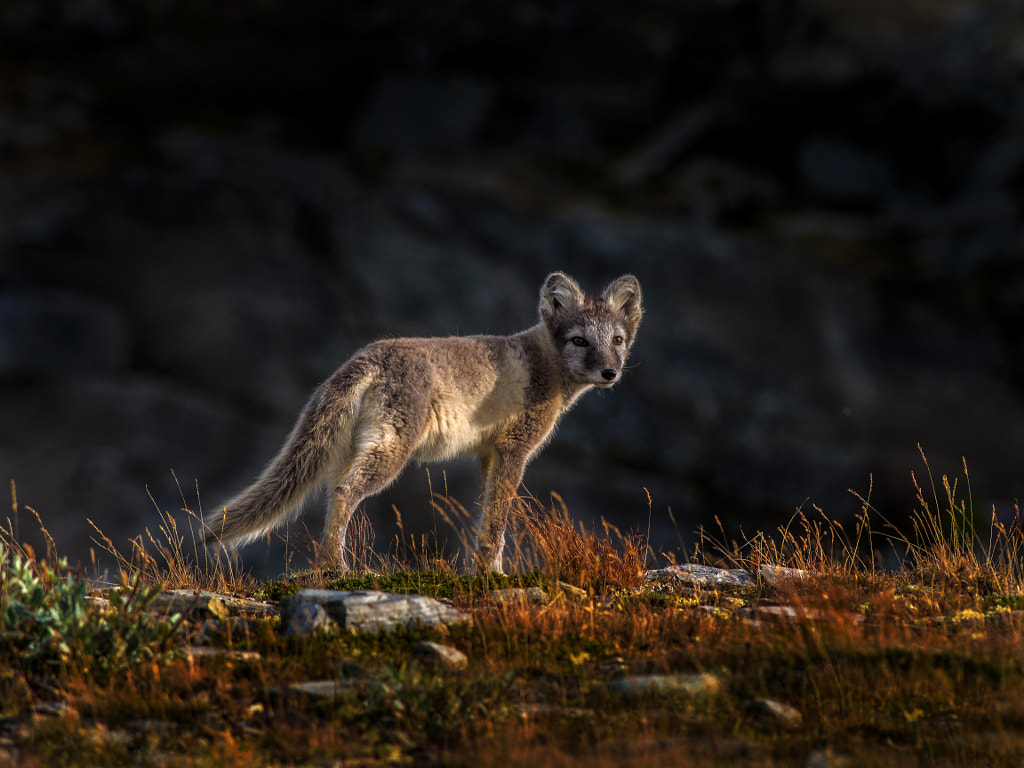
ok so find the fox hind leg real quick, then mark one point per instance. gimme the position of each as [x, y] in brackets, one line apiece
[375, 465]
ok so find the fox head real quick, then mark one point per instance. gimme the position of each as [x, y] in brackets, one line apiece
[592, 336]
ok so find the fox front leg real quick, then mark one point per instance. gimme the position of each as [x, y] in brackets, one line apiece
[500, 476]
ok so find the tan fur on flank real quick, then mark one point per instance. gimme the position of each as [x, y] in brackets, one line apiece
[494, 397]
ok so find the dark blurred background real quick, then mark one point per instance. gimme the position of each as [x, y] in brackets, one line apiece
[205, 207]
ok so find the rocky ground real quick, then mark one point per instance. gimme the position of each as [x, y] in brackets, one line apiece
[205, 208]
[695, 666]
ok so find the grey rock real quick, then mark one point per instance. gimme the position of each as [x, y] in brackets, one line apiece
[702, 576]
[646, 685]
[440, 656]
[777, 575]
[373, 611]
[299, 619]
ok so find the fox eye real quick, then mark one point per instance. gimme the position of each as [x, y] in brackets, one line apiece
[618, 341]
[579, 341]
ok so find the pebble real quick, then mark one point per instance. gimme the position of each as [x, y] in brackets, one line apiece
[440, 656]
[769, 713]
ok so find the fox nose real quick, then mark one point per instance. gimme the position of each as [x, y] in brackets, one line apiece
[609, 374]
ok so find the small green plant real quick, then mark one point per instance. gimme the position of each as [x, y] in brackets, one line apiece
[48, 622]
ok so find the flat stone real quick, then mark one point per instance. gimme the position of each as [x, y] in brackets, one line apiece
[440, 656]
[374, 611]
[777, 575]
[644, 685]
[703, 576]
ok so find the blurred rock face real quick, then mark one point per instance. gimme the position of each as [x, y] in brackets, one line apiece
[204, 211]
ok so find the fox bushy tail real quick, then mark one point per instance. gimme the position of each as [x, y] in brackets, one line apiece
[311, 449]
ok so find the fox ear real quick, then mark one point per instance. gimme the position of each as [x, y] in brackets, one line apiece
[624, 296]
[559, 293]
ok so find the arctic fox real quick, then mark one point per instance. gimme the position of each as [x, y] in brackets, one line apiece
[494, 397]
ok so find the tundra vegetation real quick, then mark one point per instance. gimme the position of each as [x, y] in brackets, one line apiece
[587, 654]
